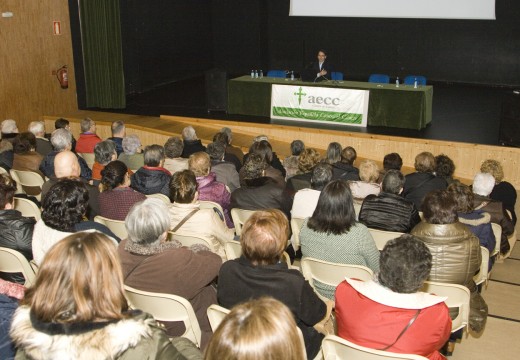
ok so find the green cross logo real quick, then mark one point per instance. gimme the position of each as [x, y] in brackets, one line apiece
[300, 94]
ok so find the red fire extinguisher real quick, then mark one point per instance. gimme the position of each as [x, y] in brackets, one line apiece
[63, 77]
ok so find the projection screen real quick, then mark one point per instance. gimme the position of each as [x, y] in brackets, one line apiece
[432, 9]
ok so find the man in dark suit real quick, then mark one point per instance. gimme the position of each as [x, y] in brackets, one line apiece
[322, 67]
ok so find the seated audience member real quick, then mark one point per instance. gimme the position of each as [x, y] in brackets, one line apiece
[10, 294]
[333, 153]
[66, 165]
[478, 221]
[63, 209]
[264, 149]
[367, 185]
[256, 328]
[88, 138]
[173, 151]
[153, 263]
[132, 155]
[392, 161]
[9, 129]
[25, 156]
[117, 197]
[290, 163]
[43, 145]
[15, 230]
[6, 155]
[421, 182]
[388, 210]
[333, 234]
[272, 159]
[345, 168]
[455, 251]
[61, 140]
[305, 200]
[77, 309]
[222, 138]
[259, 191]
[225, 171]
[104, 152]
[230, 149]
[152, 178]
[187, 218]
[307, 160]
[503, 190]
[207, 187]
[445, 168]
[62, 123]
[191, 142]
[118, 129]
[260, 271]
[483, 185]
[374, 313]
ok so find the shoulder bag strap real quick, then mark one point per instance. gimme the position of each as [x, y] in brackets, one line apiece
[186, 218]
[404, 330]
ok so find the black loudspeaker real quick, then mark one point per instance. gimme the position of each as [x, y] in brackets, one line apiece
[510, 122]
[216, 90]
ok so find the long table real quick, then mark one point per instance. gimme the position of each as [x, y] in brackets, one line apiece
[402, 107]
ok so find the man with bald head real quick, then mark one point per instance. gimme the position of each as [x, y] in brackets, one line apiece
[66, 165]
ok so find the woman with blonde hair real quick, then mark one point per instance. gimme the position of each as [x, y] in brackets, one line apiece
[260, 329]
[503, 190]
[369, 175]
[77, 309]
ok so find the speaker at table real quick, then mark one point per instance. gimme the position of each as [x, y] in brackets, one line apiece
[216, 90]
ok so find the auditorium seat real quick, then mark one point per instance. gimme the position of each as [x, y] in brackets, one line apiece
[379, 78]
[410, 80]
[336, 75]
[276, 73]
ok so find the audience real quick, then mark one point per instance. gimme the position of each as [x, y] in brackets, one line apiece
[25, 156]
[271, 157]
[388, 210]
[225, 171]
[132, 155]
[43, 145]
[208, 188]
[374, 313]
[367, 185]
[151, 262]
[345, 168]
[445, 168]
[152, 178]
[290, 163]
[191, 142]
[117, 197]
[88, 138]
[10, 295]
[503, 190]
[187, 218]
[6, 155]
[392, 161]
[104, 152]
[421, 182]
[305, 200]
[333, 153]
[16, 231]
[260, 271]
[255, 330]
[264, 149]
[307, 160]
[173, 150]
[62, 123]
[230, 149]
[8, 129]
[333, 234]
[118, 134]
[222, 138]
[77, 309]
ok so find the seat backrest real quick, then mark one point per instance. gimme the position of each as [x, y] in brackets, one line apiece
[483, 272]
[27, 208]
[336, 75]
[331, 273]
[334, 347]
[379, 78]
[206, 204]
[216, 314]
[161, 197]
[239, 217]
[296, 225]
[189, 240]
[276, 73]
[357, 209]
[116, 226]
[29, 179]
[89, 158]
[410, 80]
[12, 261]
[166, 307]
[382, 237]
[457, 297]
[497, 230]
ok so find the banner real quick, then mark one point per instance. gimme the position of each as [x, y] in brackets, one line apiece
[319, 104]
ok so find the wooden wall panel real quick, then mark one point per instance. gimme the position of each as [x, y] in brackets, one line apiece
[29, 52]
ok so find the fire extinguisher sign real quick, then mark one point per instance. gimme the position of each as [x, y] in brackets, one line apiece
[56, 27]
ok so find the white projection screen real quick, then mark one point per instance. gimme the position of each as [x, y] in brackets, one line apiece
[431, 9]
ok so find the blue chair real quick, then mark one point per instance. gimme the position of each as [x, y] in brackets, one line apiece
[410, 80]
[276, 73]
[379, 78]
[336, 75]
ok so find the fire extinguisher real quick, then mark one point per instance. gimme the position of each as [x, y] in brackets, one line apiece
[63, 77]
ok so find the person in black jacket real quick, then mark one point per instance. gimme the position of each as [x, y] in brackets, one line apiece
[418, 184]
[15, 230]
[152, 178]
[389, 211]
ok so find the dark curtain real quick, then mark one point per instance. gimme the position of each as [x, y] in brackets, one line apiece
[102, 53]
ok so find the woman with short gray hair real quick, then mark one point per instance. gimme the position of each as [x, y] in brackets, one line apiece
[132, 154]
[153, 263]
[104, 152]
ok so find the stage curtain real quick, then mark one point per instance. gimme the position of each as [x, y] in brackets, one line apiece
[102, 53]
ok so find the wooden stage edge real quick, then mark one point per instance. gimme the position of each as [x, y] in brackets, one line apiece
[156, 130]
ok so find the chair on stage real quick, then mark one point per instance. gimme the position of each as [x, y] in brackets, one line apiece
[410, 80]
[276, 73]
[336, 75]
[379, 78]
